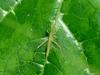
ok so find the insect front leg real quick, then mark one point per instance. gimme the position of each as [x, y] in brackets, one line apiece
[44, 41]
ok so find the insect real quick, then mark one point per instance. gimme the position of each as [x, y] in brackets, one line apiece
[51, 37]
[49, 40]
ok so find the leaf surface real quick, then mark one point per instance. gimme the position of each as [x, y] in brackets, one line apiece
[27, 36]
[83, 18]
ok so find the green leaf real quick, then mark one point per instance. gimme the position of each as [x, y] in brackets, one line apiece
[83, 18]
[36, 41]
[7, 6]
